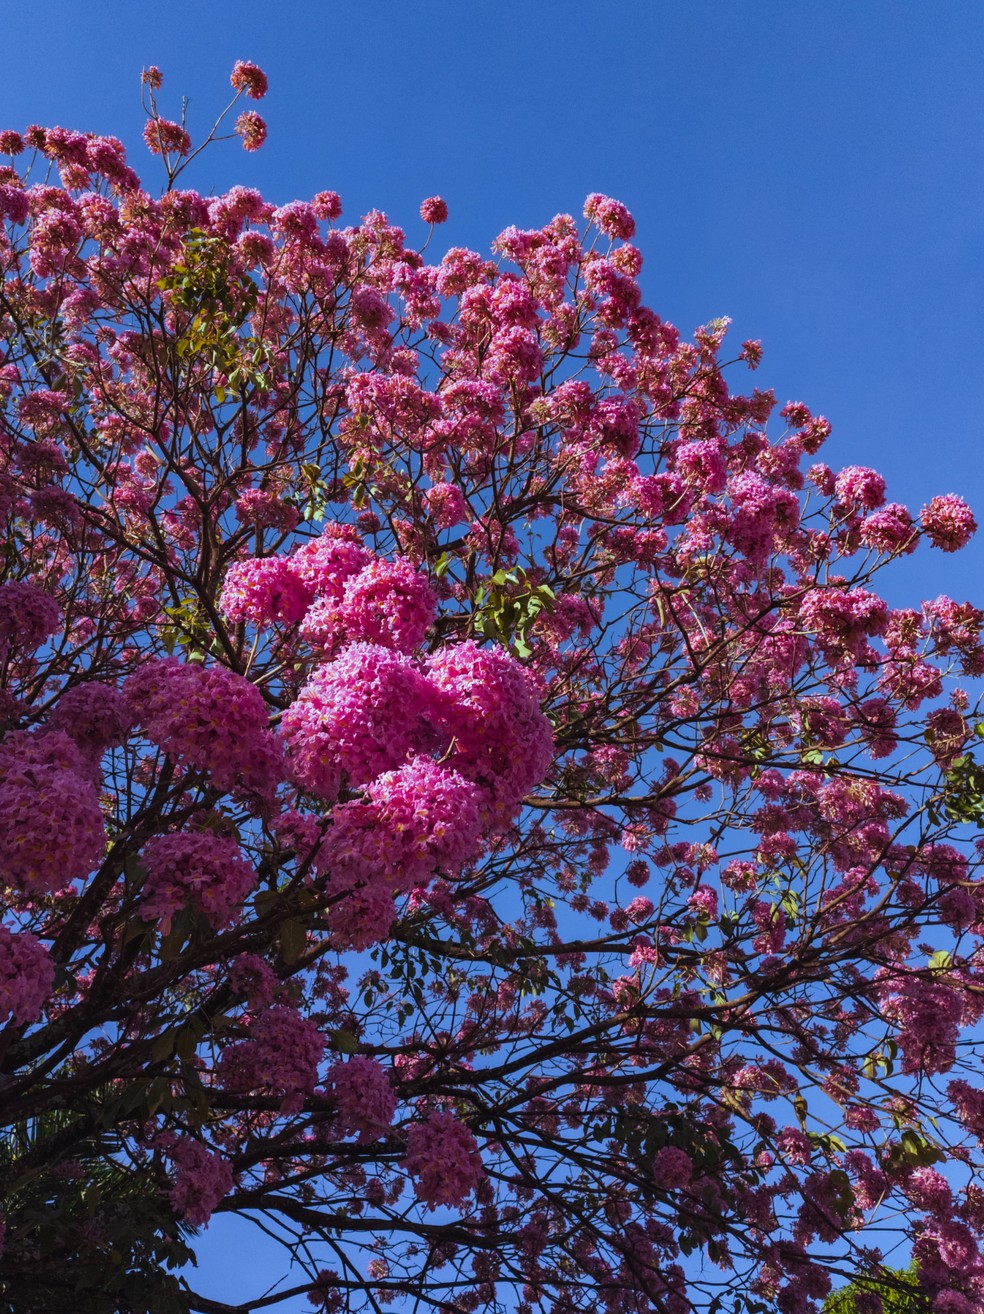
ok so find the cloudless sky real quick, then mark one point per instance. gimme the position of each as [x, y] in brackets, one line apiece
[811, 168]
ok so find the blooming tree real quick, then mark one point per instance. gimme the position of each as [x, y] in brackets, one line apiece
[465, 804]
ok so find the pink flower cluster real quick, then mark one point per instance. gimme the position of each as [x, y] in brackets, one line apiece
[26, 976]
[444, 1161]
[387, 602]
[52, 830]
[376, 718]
[325, 563]
[672, 1168]
[209, 718]
[95, 715]
[357, 716]
[948, 521]
[264, 589]
[927, 1016]
[418, 819]
[364, 1100]
[202, 1178]
[499, 737]
[843, 620]
[28, 616]
[266, 511]
[447, 505]
[281, 1055]
[338, 590]
[610, 216]
[203, 870]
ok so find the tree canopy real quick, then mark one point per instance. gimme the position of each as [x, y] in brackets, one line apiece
[465, 802]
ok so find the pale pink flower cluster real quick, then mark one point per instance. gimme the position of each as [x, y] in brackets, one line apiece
[52, 830]
[202, 1178]
[281, 1055]
[364, 1100]
[948, 521]
[444, 1161]
[209, 718]
[28, 616]
[26, 976]
[201, 870]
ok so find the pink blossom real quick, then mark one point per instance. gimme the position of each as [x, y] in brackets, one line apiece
[209, 718]
[363, 916]
[164, 137]
[324, 564]
[26, 976]
[266, 511]
[858, 488]
[253, 130]
[501, 739]
[254, 978]
[364, 1100]
[704, 901]
[388, 603]
[443, 1160]
[249, 78]
[28, 616]
[200, 869]
[14, 204]
[948, 521]
[951, 1301]
[889, 530]
[843, 620]
[94, 714]
[610, 216]
[52, 830]
[447, 505]
[434, 210]
[202, 1179]
[357, 716]
[420, 818]
[672, 1168]
[281, 1055]
[262, 590]
[927, 1015]
[327, 205]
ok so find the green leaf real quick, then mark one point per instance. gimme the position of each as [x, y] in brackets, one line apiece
[344, 1042]
[292, 938]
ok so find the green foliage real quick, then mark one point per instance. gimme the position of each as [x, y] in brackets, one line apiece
[899, 1292]
[217, 306]
[95, 1234]
[506, 606]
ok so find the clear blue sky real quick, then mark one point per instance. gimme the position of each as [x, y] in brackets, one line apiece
[812, 168]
